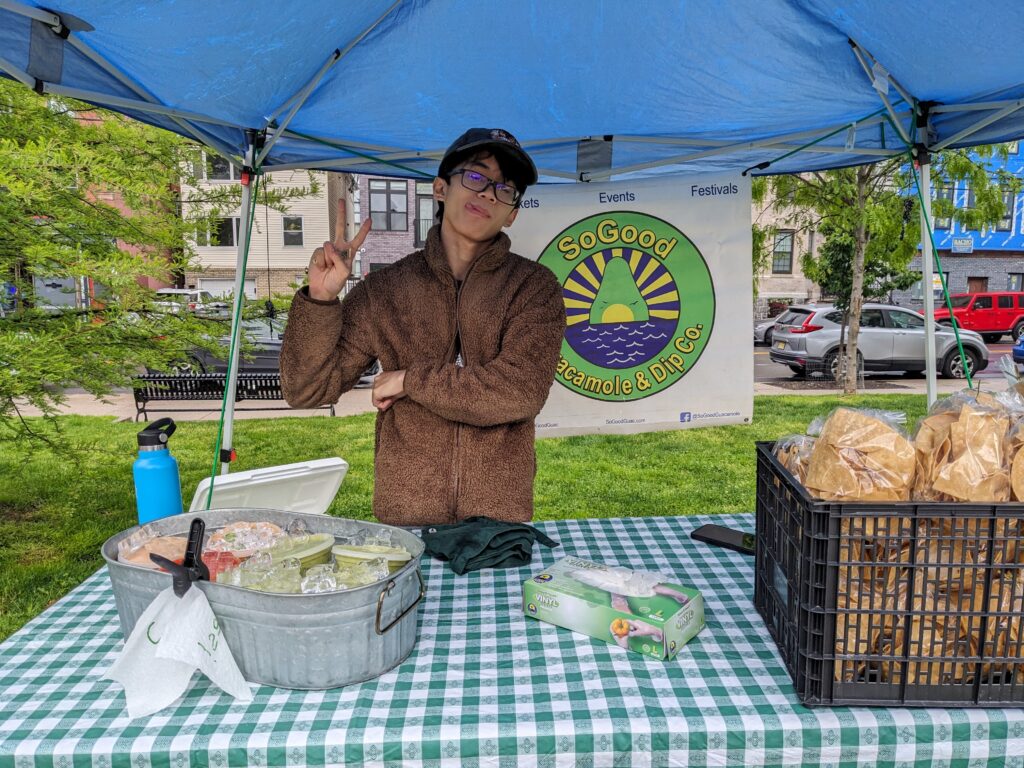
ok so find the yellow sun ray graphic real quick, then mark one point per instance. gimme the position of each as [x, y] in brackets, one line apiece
[634, 260]
[586, 274]
[579, 288]
[664, 298]
[651, 266]
[577, 304]
[665, 278]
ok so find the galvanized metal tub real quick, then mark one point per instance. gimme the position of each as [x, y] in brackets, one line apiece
[308, 642]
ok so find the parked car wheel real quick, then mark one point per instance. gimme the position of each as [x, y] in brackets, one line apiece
[1018, 330]
[797, 370]
[991, 338]
[953, 367]
[834, 363]
[768, 337]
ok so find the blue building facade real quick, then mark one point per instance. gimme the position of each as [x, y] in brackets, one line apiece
[976, 261]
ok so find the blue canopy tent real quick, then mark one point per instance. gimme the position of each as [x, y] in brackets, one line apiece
[595, 90]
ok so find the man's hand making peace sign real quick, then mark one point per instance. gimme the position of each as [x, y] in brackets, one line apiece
[331, 265]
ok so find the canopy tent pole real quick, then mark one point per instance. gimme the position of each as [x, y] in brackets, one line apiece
[299, 99]
[881, 90]
[975, 127]
[927, 271]
[228, 416]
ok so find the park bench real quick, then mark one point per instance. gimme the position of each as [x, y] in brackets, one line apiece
[181, 387]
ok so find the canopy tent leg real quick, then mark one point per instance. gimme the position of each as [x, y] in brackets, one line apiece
[927, 262]
[236, 314]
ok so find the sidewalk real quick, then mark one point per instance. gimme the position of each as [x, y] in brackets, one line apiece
[121, 405]
[916, 386]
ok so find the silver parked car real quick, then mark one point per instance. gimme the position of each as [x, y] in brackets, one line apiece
[806, 338]
[764, 330]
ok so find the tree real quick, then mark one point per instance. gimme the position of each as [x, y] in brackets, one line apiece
[870, 218]
[58, 224]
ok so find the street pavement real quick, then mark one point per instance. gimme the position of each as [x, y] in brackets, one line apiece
[774, 378]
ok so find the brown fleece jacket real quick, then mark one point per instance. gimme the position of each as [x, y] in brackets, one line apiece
[461, 443]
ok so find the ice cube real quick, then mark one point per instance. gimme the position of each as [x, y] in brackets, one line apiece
[379, 538]
[298, 531]
[284, 577]
[319, 578]
[370, 571]
[231, 576]
[255, 569]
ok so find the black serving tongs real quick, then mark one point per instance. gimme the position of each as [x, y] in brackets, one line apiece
[192, 567]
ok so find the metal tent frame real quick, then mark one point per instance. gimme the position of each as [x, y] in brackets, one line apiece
[907, 115]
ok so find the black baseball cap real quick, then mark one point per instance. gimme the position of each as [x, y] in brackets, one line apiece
[498, 141]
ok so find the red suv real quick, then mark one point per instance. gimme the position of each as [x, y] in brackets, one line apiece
[991, 314]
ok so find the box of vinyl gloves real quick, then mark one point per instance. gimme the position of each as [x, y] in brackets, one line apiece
[636, 610]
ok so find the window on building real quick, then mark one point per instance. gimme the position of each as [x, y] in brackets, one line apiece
[782, 254]
[426, 211]
[389, 205]
[1015, 282]
[1013, 147]
[1005, 224]
[293, 230]
[944, 192]
[219, 169]
[221, 232]
[917, 289]
[375, 265]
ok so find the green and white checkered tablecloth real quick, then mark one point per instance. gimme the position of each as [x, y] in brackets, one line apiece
[487, 686]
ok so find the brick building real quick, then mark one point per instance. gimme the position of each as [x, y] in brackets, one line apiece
[976, 261]
[402, 212]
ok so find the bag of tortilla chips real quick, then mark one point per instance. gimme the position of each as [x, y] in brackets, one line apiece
[794, 453]
[861, 456]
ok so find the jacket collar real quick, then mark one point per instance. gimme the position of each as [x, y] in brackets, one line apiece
[491, 258]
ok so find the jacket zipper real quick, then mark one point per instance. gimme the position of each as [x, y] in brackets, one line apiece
[457, 349]
[458, 425]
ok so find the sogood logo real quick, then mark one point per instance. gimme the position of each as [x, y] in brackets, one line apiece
[639, 305]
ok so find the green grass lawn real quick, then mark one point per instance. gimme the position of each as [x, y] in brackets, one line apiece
[56, 512]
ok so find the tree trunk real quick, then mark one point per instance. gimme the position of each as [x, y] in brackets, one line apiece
[857, 287]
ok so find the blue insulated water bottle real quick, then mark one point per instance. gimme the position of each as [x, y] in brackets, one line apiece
[157, 485]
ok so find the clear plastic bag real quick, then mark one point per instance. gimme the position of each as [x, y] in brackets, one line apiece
[962, 450]
[794, 453]
[862, 455]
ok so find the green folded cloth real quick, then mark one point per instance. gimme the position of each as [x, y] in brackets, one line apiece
[482, 542]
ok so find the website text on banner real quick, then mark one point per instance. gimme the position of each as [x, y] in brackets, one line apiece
[656, 278]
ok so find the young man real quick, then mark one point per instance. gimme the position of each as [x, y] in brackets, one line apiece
[468, 336]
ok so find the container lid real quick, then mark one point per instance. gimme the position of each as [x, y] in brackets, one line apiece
[157, 434]
[317, 545]
[371, 551]
[306, 486]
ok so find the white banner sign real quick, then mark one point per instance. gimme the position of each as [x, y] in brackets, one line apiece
[656, 278]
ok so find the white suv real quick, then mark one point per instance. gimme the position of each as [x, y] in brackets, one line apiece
[191, 299]
[806, 338]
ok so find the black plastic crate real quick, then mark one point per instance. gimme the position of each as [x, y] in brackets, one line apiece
[915, 604]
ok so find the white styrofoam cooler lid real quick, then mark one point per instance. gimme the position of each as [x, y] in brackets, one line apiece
[306, 486]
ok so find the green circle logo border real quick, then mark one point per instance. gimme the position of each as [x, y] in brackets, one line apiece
[550, 253]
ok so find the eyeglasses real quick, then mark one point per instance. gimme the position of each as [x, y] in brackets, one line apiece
[477, 182]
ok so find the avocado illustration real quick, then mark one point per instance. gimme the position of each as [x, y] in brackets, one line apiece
[618, 299]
